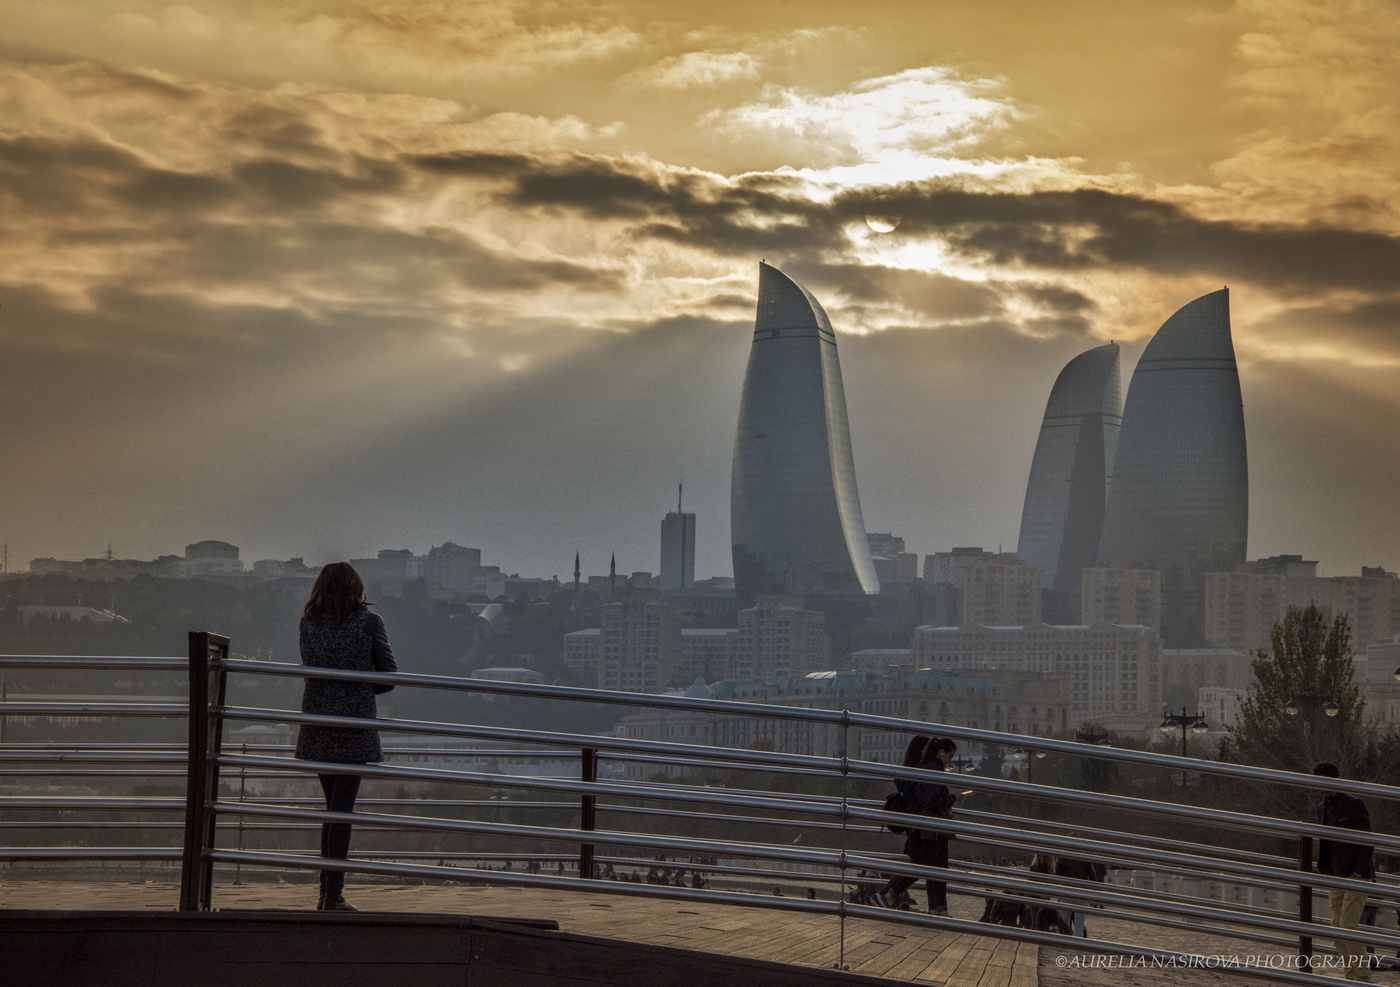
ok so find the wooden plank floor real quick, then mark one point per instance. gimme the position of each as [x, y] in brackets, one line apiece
[874, 949]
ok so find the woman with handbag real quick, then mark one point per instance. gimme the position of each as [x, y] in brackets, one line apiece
[924, 847]
[339, 631]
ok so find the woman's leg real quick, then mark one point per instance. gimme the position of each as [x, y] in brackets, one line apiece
[937, 890]
[335, 837]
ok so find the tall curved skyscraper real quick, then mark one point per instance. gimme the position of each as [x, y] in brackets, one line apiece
[1179, 497]
[795, 521]
[1062, 519]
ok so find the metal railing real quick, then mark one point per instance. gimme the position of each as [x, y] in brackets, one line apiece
[739, 834]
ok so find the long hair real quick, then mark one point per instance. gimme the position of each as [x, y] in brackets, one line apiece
[914, 753]
[337, 593]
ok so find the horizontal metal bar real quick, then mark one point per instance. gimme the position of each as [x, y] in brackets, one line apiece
[89, 853]
[552, 833]
[84, 662]
[99, 803]
[94, 709]
[622, 790]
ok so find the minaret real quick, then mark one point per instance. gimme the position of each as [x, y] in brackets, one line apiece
[612, 578]
[577, 573]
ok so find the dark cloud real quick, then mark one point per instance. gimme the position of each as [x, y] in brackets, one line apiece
[1075, 230]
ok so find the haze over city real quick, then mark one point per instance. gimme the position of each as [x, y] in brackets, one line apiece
[320, 280]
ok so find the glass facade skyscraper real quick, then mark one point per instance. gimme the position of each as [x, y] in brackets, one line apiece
[795, 520]
[1179, 495]
[1062, 520]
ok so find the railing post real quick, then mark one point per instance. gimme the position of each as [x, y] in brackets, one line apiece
[587, 812]
[207, 685]
[1305, 901]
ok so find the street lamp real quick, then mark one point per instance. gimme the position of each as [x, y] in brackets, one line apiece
[1308, 703]
[1194, 722]
[1027, 758]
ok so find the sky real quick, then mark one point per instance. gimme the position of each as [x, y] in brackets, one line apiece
[322, 278]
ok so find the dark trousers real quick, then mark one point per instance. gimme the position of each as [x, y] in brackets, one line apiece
[335, 837]
[925, 851]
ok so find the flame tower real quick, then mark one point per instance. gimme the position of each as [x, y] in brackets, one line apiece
[795, 521]
[1179, 497]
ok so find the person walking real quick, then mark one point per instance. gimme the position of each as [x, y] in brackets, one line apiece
[924, 847]
[338, 630]
[1340, 859]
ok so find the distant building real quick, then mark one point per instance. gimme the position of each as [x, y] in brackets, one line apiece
[1121, 596]
[1062, 519]
[451, 566]
[777, 637]
[277, 569]
[677, 550]
[583, 655]
[1186, 671]
[795, 520]
[1241, 607]
[1179, 498]
[639, 640]
[1000, 591]
[67, 614]
[1221, 707]
[706, 652]
[947, 567]
[208, 558]
[1114, 671]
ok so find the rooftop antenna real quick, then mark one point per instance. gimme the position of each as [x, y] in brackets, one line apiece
[680, 492]
[108, 556]
[5, 558]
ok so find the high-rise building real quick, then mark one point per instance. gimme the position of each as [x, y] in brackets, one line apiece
[795, 519]
[1000, 591]
[778, 637]
[1121, 596]
[1062, 520]
[1179, 496]
[637, 647]
[1242, 607]
[677, 549]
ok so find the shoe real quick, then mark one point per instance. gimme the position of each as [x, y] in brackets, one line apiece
[337, 903]
[878, 900]
[938, 911]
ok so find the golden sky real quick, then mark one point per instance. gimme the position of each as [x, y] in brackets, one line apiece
[323, 278]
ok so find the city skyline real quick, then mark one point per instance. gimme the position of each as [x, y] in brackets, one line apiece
[319, 279]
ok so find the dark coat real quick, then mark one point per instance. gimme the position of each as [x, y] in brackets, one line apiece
[1345, 859]
[931, 800]
[360, 644]
[1080, 870]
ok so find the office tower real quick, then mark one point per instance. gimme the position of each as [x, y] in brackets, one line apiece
[795, 520]
[677, 549]
[1179, 496]
[1062, 520]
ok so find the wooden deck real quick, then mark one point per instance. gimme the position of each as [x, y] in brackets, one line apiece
[872, 949]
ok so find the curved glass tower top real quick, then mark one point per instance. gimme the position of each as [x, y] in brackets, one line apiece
[1062, 520]
[1179, 497]
[795, 520]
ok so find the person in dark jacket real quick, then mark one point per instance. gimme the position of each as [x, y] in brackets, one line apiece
[925, 847]
[339, 631]
[1079, 870]
[1341, 859]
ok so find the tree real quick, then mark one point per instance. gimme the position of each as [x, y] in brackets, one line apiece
[1308, 665]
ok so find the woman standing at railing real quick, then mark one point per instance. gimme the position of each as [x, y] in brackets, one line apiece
[924, 847]
[339, 631]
